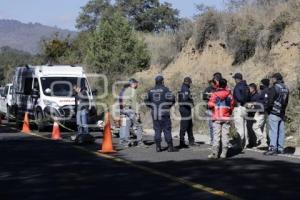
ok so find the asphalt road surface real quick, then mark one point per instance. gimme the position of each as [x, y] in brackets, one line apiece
[34, 167]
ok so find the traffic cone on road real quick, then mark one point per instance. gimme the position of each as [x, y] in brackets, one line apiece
[26, 127]
[107, 145]
[56, 131]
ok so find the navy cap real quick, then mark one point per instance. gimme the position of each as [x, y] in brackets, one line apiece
[187, 80]
[265, 82]
[159, 78]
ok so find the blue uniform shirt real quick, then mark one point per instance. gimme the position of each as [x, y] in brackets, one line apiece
[160, 99]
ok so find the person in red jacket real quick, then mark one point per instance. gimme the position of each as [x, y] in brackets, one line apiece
[222, 104]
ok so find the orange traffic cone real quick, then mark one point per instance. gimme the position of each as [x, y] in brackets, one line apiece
[56, 131]
[26, 127]
[107, 146]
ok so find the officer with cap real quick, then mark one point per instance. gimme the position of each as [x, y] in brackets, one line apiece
[186, 103]
[241, 94]
[160, 99]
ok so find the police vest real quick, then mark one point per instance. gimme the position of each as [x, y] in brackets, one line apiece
[280, 103]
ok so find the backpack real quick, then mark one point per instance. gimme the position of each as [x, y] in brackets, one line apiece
[225, 103]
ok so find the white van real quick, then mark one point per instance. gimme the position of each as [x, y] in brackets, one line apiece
[6, 101]
[47, 91]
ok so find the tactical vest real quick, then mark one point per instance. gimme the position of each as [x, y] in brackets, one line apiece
[280, 103]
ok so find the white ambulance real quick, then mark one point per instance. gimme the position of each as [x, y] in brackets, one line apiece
[46, 92]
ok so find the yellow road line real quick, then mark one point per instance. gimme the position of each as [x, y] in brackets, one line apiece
[183, 181]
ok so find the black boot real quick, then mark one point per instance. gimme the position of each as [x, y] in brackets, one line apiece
[182, 145]
[171, 148]
[158, 147]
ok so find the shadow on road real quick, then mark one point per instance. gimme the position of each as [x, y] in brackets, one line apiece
[37, 169]
[32, 168]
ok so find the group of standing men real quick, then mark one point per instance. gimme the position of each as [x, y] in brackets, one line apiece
[250, 109]
[160, 100]
[246, 106]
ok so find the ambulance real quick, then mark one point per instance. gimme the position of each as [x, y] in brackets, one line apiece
[46, 93]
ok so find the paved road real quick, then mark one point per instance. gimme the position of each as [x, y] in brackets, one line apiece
[35, 168]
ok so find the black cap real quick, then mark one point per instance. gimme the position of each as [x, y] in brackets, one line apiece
[188, 80]
[159, 79]
[132, 80]
[277, 76]
[238, 76]
[265, 82]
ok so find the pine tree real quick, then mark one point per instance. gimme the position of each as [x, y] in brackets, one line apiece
[114, 49]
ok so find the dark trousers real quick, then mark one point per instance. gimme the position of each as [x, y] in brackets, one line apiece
[186, 125]
[163, 125]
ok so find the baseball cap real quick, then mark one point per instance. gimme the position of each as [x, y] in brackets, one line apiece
[265, 82]
[187, 80]
[159, 78]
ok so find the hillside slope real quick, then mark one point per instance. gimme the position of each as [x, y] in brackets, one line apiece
[284, 57]
[26, 37]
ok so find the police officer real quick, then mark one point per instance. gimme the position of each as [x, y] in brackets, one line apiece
[276, 105]
[160, 99]
[186, 103]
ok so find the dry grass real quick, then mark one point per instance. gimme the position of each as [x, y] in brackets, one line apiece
[161, 46]
[258, 40]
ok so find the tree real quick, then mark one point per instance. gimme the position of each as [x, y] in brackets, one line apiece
[76, 52]
[149, 15]
[92, 13]
[55, 48]
[144, 15]
[114, 49]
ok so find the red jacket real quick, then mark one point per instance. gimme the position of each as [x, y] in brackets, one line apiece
[222, 104]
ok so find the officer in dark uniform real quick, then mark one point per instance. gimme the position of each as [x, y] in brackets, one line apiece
[186, 103]
[160, 99]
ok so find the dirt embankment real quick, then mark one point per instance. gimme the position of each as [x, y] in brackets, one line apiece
[284, 57]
